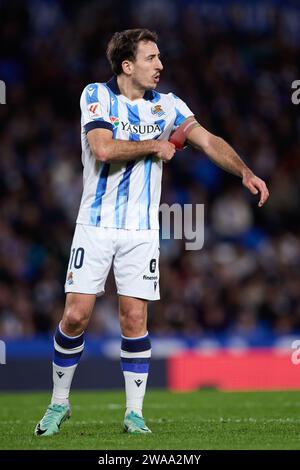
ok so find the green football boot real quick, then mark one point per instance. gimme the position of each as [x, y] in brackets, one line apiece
[135, 424]
[50, 423]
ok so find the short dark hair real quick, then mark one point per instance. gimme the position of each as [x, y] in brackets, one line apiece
[123, 46]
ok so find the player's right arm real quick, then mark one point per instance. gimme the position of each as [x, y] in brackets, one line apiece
[95, 108]
[106, 149]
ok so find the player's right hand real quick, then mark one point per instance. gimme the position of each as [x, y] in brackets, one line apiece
[165, 150]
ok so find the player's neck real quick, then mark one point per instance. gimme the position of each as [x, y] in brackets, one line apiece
[127, 89]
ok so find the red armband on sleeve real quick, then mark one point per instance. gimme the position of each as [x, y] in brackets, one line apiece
[179, 136]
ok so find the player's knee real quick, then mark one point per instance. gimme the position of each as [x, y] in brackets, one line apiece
[133, 321]
[75, 320]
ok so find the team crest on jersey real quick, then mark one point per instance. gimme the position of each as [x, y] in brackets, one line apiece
[70, 279]
[157, 111]
[114, 120]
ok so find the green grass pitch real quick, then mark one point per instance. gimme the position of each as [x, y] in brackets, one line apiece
[200, 420]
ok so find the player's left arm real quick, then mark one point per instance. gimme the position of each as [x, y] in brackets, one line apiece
[223, 155]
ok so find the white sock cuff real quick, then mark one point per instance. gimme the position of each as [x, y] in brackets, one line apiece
[137, 337]
[67, 336]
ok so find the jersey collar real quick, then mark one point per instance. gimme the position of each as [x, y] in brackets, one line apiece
[113, 85]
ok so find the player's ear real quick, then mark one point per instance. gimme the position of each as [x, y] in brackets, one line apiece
[127, 67]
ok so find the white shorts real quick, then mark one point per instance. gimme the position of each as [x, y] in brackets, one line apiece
[134, 255]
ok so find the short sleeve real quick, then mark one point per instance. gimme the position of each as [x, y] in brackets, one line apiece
[182, 111]
[94, 104]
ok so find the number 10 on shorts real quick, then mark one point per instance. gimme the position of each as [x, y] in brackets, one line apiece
[77, 257]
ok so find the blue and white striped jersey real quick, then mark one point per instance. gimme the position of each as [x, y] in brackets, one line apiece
[125, 195]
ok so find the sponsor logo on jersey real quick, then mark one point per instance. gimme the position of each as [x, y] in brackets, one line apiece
[70, 279]
[115, 121]
[157, 111]
[135, 128]
[140, 128]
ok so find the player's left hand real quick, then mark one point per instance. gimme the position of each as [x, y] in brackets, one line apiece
[255, 186]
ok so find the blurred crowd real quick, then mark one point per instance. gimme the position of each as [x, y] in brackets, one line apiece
[233, 63]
